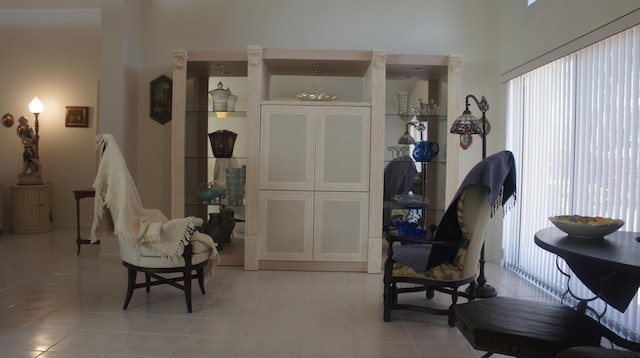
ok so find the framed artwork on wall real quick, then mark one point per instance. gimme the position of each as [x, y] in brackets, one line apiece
[76, 116]
[160, 99]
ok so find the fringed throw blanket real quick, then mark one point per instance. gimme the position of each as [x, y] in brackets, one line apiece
[496, 172]
[128, 220]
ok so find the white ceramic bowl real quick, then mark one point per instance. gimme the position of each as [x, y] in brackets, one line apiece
[587, 230]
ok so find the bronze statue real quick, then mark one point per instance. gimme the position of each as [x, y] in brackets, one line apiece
[31, 168]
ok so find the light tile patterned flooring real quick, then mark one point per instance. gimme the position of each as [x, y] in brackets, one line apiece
[56, 304]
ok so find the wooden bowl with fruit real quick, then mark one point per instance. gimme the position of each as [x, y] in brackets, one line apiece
[586, 226]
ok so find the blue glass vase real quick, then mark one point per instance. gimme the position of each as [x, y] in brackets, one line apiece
[425, 151]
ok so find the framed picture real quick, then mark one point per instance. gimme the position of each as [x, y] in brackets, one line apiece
[160, 101]
[76, 116]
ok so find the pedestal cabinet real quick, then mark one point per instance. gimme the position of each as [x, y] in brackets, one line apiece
[1, 207]
[30, 208]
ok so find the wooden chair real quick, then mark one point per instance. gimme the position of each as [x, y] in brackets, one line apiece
[148, 241]
[473, 216]
[158, 270]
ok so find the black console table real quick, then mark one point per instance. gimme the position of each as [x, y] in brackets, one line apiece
[608, 266]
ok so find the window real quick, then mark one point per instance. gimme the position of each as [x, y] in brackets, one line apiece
[574, 128]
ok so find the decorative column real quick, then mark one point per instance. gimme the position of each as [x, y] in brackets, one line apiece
[254, 97]
[177, 131]
[376, 166]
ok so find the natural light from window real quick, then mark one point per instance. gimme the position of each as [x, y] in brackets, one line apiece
[573, 126]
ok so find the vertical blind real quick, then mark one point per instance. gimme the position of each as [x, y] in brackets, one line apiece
[574, 128]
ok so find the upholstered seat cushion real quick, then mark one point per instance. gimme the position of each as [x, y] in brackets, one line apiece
[145, 256]
[443, 272]
[147, 249]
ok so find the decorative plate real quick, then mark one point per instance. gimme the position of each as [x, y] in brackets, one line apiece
[319, 96]
[586, 226]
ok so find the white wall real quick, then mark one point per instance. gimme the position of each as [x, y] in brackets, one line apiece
[437, 27]
[55, 55]
[527, 32]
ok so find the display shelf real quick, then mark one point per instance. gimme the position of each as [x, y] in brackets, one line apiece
[234, 114]
[274, 76]
[418, 117]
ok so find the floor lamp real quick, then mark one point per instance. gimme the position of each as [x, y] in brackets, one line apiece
[466, 125]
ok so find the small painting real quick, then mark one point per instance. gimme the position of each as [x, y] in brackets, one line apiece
[76, 117]
[160, 101]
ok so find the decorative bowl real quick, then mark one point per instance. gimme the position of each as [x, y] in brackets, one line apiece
[211, 192]
[319, 96]
[586, 226]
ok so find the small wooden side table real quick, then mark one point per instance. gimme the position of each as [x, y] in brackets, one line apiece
[81, 194]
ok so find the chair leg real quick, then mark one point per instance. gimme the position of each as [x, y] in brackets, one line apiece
[472, 290]
[430, 293]
[201, 279]
[454, 300]
[147, 278]
[390, 297]
[131, 283]
[452, 318]
[187, 288]
[387, 304]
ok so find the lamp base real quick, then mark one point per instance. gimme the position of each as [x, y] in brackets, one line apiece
[484, 291]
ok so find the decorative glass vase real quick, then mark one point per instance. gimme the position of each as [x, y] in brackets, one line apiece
[220, 97]
[222, 143]
[231, 102]
[425, 151]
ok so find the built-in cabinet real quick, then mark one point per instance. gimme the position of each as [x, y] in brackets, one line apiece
[314, 182]
[30, 208]
[314, 169]
[315, 147]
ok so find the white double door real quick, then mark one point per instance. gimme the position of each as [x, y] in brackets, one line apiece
[314, 183]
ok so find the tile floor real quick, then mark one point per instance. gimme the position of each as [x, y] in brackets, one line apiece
[54, 303]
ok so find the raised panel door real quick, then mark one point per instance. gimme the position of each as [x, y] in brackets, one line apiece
[341, 226]
[287, 148]
[286, 224]
[342, 148]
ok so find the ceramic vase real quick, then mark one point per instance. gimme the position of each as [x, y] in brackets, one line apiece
[425, 151]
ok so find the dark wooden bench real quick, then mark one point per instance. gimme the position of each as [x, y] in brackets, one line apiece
[523, 328]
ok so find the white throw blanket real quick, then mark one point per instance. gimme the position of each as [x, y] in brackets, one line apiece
[128, 220]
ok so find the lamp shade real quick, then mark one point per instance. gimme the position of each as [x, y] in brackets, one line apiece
[406, 139]
[467, 123]
[36, 106]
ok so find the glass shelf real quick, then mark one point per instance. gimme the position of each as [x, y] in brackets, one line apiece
[234, 114]
[222, 203]
[419, 117]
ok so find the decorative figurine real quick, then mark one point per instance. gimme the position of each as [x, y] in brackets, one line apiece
[31, 168]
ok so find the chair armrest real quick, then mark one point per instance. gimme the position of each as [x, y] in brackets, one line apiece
[391, 238]
[457, 243]
[450, 243]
